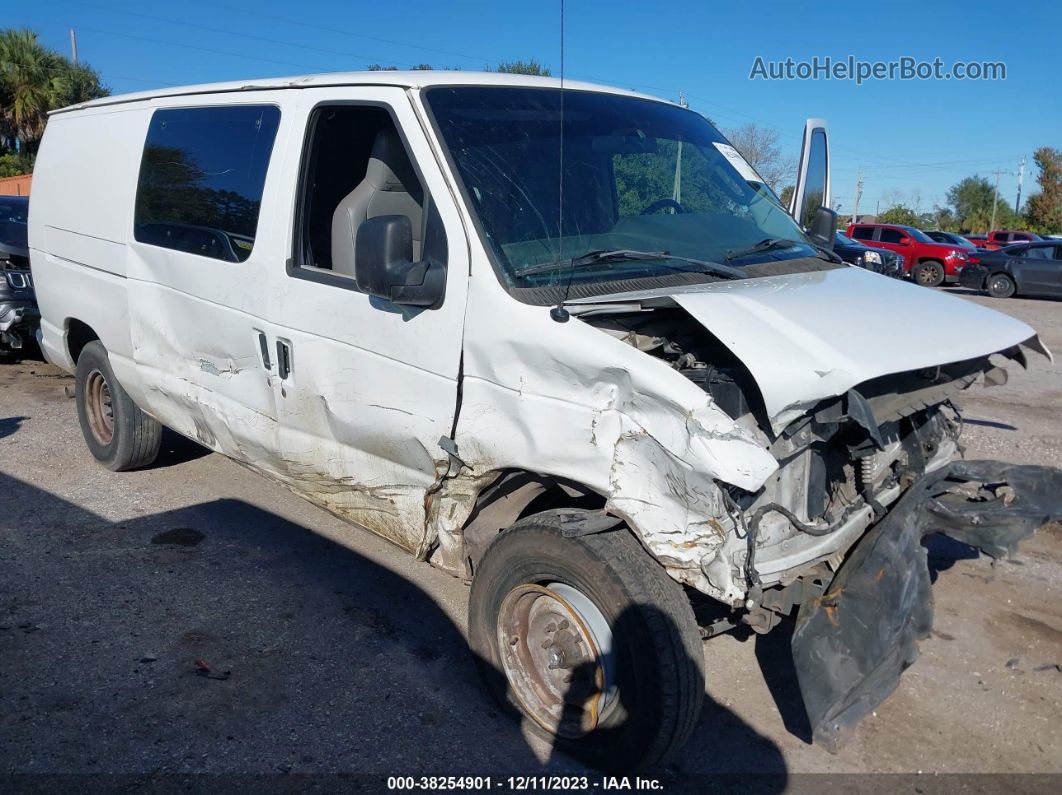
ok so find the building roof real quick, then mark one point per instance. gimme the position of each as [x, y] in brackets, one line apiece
[415, 79]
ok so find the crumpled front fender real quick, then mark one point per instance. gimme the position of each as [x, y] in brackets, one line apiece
[851, 644]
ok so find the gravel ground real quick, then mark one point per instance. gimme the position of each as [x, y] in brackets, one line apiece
[326, 650]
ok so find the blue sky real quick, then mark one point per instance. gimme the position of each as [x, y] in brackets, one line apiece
[913, 139]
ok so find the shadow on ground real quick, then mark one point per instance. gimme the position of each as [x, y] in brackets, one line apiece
[224, 639]
[10, 425]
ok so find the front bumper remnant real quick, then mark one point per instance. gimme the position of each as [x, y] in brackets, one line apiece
[851, 644]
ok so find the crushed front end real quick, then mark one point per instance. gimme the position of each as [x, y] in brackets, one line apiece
[833, 536]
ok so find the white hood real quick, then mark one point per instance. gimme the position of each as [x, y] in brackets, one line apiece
[810, 336]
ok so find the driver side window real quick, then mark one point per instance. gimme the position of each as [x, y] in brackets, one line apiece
[355, 167]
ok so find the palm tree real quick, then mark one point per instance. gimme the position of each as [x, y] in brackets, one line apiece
[34, 80]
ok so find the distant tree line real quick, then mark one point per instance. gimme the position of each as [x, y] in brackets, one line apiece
[970, 202]
[529, 67]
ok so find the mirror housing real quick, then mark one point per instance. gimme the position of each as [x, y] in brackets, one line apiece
[822, 228]
[384, 266]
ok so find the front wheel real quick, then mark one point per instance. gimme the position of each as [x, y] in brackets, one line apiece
[929, 274]
[589, 639]
[1001, 286]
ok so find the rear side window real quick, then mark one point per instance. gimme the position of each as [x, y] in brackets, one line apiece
[863, 233]
[201, 179]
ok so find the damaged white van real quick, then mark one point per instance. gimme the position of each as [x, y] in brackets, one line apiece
[560, 341]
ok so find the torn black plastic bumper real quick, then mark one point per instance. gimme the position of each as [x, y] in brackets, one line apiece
[851, 644]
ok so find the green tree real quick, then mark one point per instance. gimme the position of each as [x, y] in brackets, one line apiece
[1043, 210]
[531, 67]
[971, 200]
[900, 214]
[943, 218]
[33, 81]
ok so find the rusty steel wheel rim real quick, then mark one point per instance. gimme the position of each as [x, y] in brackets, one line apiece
[100, 407]
[556, 651]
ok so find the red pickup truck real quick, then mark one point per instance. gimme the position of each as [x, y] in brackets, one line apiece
[1005, 237]
[926, 262]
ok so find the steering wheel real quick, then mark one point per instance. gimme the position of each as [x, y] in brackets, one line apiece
[660, 204]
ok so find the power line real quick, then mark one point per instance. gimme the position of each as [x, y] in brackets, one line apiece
[227, 32]
[288, 20]
[202, 49]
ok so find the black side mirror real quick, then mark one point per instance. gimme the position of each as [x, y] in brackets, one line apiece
[822, 228]
[384, 266]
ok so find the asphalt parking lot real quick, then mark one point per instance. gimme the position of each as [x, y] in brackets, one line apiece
[322, 649]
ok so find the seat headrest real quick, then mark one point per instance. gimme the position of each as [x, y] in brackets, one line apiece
[389, 168]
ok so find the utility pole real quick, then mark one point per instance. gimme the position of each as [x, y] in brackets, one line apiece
[858, 194]
[73, 46]
[1021, 173]
[995, 201]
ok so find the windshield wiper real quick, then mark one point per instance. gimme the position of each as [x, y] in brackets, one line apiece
[764, 245]
[591, 258]
[626, 254]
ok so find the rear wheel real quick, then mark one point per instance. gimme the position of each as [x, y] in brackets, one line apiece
[117, 432]
[589, 639]
[929, 273]
[1000, 285]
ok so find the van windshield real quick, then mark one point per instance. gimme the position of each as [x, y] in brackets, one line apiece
[639, 177]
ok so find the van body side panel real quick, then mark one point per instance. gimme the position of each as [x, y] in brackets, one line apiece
[80, 217]
[196, 320]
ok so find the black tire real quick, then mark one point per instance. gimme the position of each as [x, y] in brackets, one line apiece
[1000, 285]
[657, 665]
[929, 273]
[117, 432]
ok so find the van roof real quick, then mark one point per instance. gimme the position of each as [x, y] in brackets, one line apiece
[416, 79]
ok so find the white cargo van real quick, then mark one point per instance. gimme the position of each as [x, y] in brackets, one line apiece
[560, 341]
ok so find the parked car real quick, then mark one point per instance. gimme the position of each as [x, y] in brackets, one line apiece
[19, 316]
[927, 262]
[1005, 237]
[1032, 269]
[537, 373]
[950, 239]
[977, 240]
[880, 261]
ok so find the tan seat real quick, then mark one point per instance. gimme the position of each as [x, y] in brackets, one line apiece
[390, 187]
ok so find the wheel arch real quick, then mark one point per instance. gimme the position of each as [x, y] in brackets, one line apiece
[516, 494]
[78, 335]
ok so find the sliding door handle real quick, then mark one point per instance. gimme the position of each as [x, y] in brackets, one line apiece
[263, 346]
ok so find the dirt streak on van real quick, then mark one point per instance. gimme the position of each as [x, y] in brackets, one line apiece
[566, 345]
